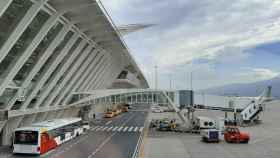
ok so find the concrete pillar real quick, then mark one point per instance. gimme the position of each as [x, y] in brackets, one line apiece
[27, 120]
[41, 117]
[8, 129]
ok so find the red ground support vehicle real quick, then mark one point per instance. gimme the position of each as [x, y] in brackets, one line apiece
[233, 135]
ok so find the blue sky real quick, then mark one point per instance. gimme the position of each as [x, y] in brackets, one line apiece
[221, 41]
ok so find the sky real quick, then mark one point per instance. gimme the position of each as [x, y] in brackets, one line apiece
[221, 42]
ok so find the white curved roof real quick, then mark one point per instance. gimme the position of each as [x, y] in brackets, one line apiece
[93, 20]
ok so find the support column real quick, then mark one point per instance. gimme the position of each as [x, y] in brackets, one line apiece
[27, 120]
[8, 129]
[41, 117]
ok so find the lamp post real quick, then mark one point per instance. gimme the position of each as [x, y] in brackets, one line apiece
[170, 81]
[156, 77]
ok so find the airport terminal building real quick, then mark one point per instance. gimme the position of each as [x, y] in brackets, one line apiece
[53, 49]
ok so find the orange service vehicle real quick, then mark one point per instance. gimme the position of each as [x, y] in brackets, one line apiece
[233, 135]
[109, 114]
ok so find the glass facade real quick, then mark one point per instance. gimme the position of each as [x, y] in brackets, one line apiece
[23, 42]
[37, 53]
[11, 17]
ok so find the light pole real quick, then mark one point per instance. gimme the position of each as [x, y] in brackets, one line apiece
[156, 77]
[170, 81]
[191, 80]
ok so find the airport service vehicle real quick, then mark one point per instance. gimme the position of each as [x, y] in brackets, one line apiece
[118, 111]
[124, 109]
[166, 125]
[86, 125]
[201, 122]
[44, 136]
[233, 135]
[109, 114]
[128, 106]
[210, 135]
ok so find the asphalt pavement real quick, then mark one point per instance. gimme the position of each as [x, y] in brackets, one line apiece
[109, 138]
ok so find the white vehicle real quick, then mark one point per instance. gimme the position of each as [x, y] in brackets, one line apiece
[42, 137]
[157, 111]
[201, 122]
[86, 125]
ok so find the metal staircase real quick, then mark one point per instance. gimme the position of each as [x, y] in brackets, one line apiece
[252, 110]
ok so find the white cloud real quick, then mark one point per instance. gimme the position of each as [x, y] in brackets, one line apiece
[190, 30]
[256, 74]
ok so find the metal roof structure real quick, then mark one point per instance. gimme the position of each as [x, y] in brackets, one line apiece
[91, 17]
[51, 49]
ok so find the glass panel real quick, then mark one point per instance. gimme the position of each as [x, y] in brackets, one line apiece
[23, 42]
[26, 137]
[12, 17]
[54, 55]
[61, 64]
[49, 62]
[25, 70]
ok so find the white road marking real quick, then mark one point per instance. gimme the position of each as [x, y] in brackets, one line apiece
[141, 129]
[115, 128]
[130, 129]
[109, 129]
[120, 128]
[135, 129]
[108, 122]
[125, 129]
[107, 140]
[104, 128]
[94, 128]
[99, 128]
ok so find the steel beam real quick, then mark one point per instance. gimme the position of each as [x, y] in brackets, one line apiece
[73, 89]
[89, 77]
[20, 60]
[87, 65]
[50, 70]
[94, 78]
[21, 27]
[42, 60]
[67, 78]
[99, 78]
[4, 5]
[61, 72]
[88, 80]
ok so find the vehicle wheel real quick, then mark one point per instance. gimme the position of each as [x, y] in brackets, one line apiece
[246, 141]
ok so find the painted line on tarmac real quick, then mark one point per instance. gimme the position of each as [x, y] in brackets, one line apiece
[109, 122]
[109, 129]
[115, 128]
[104, 129]
[130, 129]
[124, 130]
[107, 140]
[120, 128]
[136, 128]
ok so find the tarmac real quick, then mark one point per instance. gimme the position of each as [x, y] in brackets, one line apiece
[264, 143]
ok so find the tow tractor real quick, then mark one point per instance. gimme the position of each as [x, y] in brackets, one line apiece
[167, 125]
[232, 134]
